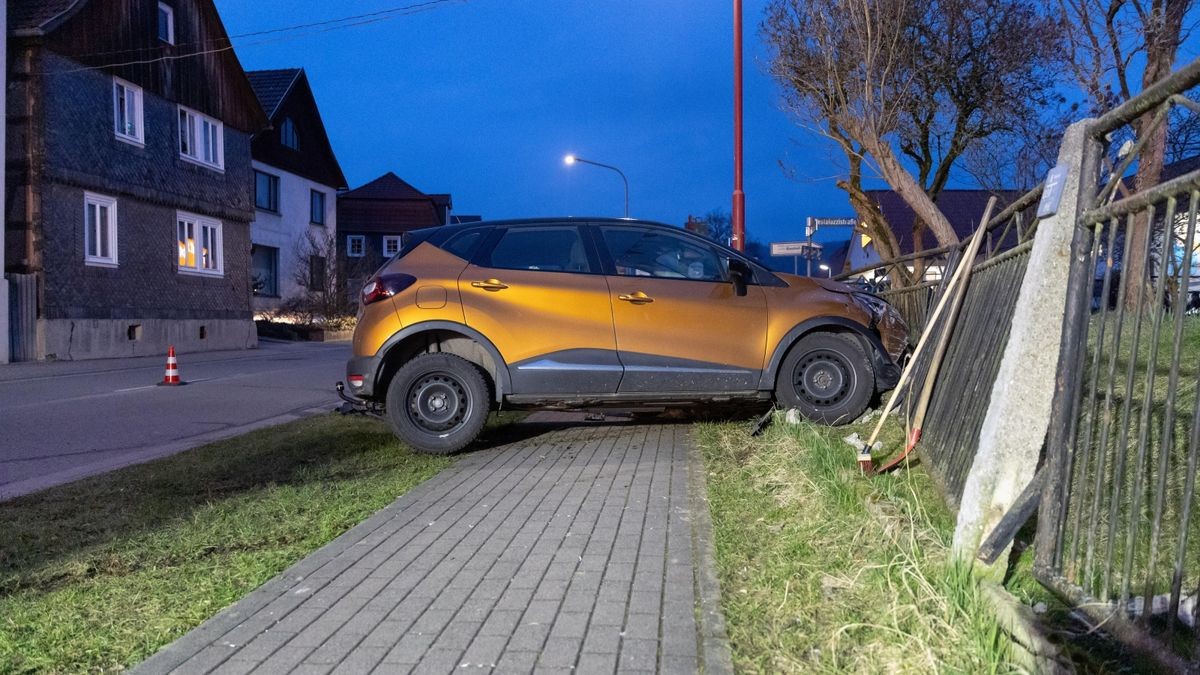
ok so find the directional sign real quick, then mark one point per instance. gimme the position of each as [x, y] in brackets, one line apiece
[814, 224]
[786, 248]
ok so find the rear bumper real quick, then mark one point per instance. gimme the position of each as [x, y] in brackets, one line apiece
[362, 374]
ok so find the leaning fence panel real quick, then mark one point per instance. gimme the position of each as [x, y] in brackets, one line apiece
[1120, 537]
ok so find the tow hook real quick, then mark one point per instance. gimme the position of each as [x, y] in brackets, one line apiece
[353, 405]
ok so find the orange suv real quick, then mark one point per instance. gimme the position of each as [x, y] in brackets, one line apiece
[574, 313]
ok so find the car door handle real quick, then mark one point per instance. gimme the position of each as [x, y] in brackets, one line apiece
[638, 298]
[490, 285]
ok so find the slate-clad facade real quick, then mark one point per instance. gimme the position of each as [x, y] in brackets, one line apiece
[129, 187]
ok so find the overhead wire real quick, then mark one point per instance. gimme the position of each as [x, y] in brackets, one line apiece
[307, 30]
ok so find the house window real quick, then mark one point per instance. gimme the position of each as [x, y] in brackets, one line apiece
[199, 242]
[316, 207]
[127, 111]
[391, 246]
[166, 23]
[266, 191]
[201, 138]
[316, 272]
[287, 134]
[99, 230]
[355, 245]
[264, 271]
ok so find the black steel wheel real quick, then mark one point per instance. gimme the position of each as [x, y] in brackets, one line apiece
[827, 377]
[438, 403]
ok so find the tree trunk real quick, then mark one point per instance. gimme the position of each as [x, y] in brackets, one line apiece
[909, 190]
[1162, 42]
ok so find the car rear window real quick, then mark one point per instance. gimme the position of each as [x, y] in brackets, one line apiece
[548, 249]
[464, 244]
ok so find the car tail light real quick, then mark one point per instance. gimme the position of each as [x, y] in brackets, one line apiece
[385, 286]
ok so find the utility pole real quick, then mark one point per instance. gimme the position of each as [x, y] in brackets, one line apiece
[739, 198]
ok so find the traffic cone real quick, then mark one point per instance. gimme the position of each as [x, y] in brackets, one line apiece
[171, 377]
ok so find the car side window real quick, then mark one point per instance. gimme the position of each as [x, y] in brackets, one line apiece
[548, 249]
[646, 253]
[463, 245]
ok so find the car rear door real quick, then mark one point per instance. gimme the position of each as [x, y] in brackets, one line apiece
[680, 325]
[537, 293]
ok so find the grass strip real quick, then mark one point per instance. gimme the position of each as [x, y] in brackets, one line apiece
[824, 570]
[99, 574]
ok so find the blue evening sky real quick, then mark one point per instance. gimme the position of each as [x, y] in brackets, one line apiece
[483, 98]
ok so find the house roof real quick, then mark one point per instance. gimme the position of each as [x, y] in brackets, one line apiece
[36, 16]
[272, 86]
[963, 208]
[389, 205]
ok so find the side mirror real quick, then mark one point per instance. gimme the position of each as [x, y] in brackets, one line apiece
[739, 274]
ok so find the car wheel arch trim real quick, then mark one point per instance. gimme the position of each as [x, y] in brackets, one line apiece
[503, 382]
[770, 373]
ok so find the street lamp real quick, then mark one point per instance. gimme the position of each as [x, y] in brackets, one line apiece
[571, 159]
[825, 268]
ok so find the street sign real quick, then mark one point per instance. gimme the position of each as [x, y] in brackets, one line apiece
[794, 248]
[813, 224]
[1052, 191]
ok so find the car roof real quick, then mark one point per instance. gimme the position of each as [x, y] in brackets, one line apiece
[541, 220]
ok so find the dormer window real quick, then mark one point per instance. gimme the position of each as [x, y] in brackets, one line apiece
[166, 23]
[287, 134]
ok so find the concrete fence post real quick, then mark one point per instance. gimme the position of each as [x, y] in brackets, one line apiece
[1018, 415]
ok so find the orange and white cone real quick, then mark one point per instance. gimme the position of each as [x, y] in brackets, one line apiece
[171, 377]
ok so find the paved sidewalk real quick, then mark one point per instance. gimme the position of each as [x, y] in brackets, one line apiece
[583, 548]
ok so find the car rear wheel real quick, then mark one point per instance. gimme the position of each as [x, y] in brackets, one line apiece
[438, 403]
[827, 377]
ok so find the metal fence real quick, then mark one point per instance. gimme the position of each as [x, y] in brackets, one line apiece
[977, 339]
[1117, 533]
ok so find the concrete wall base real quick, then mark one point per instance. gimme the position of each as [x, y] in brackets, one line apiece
[78, 339]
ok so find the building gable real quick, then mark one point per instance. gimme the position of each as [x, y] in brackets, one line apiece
[288, 98]
[199, 70]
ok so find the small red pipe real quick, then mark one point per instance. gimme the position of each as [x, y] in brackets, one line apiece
[739, 198]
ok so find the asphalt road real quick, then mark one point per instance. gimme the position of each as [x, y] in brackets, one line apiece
[63, 421]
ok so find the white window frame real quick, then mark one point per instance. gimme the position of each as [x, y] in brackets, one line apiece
[92, 200]
[388, 239]
[199, 228]
[133, 105]
[192, 125]
[353, 239]
[164, 7]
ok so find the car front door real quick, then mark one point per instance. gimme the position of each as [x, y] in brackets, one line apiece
[680, 324]
[537, 293]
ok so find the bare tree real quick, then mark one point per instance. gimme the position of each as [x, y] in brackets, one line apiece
[910, 84]
[1108, 39]
[323, 277]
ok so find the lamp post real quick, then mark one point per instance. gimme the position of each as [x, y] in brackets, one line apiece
[825, 268]
[739, 197]
[571, 159]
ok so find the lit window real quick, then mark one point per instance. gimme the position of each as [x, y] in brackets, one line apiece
[355, 246]
[316, 207]
[99, 230]
[199, 244]
[266, 191]
[391, 246]
[166, 23]
[127, 111]
[287, 134]
[201, 139]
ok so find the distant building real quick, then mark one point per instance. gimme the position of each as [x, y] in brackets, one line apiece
[129, 179]
[963, 208]
[296, 180]
[372, 218]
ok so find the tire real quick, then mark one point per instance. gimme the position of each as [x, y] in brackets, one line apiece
[438, 403]
[827, 377]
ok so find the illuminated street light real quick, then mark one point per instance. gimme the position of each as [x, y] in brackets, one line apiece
[825, 268]
[572, 159]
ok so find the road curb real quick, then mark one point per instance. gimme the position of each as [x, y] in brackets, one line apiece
[716, 657]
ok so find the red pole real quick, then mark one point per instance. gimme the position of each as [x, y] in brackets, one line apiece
[739, 198]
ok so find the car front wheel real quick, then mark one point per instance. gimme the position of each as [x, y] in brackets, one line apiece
[827, 377]
[438, 403]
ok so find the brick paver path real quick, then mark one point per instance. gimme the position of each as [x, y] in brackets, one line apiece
[578, 549]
